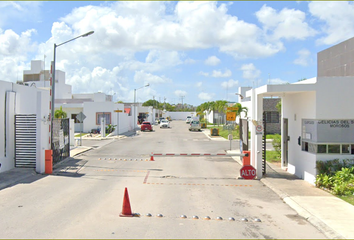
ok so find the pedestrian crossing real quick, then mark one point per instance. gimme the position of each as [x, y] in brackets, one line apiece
[195, 140]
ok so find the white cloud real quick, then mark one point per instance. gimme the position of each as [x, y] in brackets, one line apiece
[205, 96]
[250, 72]
[219, 74]
[143, 77]
[338, 20]
[205, 74]
[22, 11]
[141, 26]
[199, 84]
[189, 61]
[277, 81]
[180, 93]
[287, 23]
[303, 58]
[229, 84]
[212, 61]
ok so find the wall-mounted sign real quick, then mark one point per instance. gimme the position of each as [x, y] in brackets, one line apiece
[328, 130]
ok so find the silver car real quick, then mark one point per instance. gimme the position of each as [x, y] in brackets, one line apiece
[195, 126]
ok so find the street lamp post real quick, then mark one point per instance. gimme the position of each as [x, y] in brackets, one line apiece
[135, 106]
[53, 85]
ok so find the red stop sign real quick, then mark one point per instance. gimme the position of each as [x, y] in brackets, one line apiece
[248, 172]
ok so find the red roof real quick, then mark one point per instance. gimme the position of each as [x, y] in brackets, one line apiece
[127, 110]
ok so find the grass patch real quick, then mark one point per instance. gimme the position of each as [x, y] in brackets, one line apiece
[348, 199]
[272, 156]
[270, 136]
[80, 134]
[225, 133]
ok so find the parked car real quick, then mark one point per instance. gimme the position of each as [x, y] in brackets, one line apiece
[189, 119]
[195, 126]
[164, 123]
[159, 120]
[146, 126]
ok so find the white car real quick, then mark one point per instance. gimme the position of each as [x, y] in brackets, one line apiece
[189, 119]
[164, 123]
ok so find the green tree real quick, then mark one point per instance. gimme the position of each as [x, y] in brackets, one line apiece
[152, 103]
[240, 109]
[60, 113]
[278, 106]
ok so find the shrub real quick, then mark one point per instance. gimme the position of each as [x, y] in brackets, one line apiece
[336, 175]
[277, 145]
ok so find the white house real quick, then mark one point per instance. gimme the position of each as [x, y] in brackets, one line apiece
[94, 106]
[24, 126]
[317, 116]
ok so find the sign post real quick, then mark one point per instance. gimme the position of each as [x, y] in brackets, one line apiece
[80, 117]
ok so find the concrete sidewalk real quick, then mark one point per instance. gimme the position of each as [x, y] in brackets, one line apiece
[28, 175]
[328, 213]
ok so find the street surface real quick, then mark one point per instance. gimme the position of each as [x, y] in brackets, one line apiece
[84, 196]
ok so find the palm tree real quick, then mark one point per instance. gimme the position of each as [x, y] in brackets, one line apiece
[240, 109]
[60, 113]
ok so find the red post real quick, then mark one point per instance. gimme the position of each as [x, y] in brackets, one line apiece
[246, 160]
[48, 161]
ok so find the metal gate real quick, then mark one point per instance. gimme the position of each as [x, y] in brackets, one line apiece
[264, 143]
[244, 134]
[25, 140]
[61, 142]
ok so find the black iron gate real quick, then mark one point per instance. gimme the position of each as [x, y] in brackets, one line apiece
[25, 140]
[264, 143]
[61, 139]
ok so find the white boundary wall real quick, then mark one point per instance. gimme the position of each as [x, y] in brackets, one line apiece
[20, 99]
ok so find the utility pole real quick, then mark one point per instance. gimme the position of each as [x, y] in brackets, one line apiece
[182, 102]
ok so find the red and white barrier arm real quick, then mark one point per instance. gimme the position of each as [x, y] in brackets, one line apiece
[198, 154]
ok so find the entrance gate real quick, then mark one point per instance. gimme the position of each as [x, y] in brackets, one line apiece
[25, 140]
[244, 134]
[61, 142]
[264, 145]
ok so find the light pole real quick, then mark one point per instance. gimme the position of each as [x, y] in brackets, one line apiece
[239, 95]
[135, 106]
[53, 85]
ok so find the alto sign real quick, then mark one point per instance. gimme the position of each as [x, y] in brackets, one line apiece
[248, 172]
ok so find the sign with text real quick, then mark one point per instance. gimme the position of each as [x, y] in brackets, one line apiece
[230, 116]
[328, 130]
[248, 172]
[232, 108]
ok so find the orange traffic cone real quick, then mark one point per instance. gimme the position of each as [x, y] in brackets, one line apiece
[126, 210]
[152, 157]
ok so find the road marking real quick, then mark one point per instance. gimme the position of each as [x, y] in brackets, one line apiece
[116, 170]
[197, 184]
[146, 177]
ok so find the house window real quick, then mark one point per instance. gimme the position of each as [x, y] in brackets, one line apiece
[73, 116]
[272, 117]
[105, 115]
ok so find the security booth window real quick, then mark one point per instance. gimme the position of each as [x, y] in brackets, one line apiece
[345, 149]
[333, 148]
[322, 148]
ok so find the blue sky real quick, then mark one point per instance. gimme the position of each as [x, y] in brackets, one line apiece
[202, 51]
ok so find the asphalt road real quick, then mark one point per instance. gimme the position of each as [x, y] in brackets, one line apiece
[84, 196]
